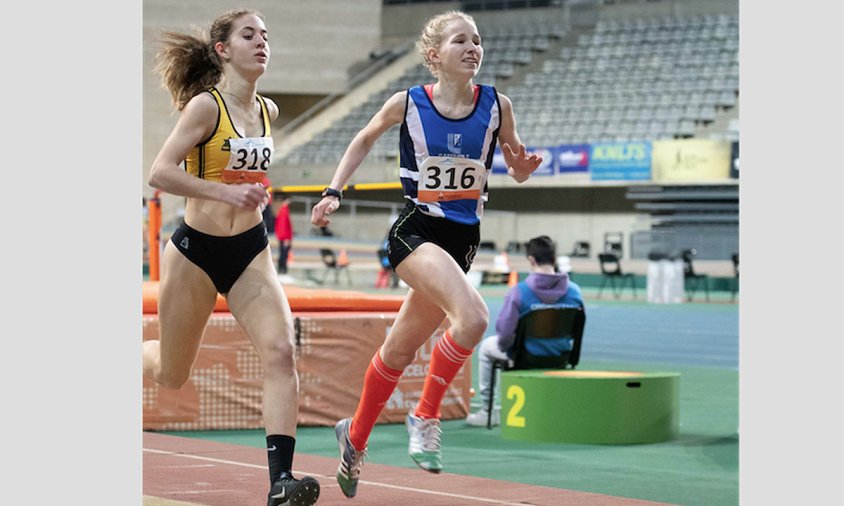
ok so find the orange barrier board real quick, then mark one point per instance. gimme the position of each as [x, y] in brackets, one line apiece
[301, 299]
[225, 388]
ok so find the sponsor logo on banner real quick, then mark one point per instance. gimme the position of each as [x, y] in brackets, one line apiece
[572, 158]
[546, 168]
[691, 160]
[627, 161]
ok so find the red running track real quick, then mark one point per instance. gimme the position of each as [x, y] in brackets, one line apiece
[183, 470]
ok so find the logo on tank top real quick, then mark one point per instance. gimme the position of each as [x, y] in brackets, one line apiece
[455, 143]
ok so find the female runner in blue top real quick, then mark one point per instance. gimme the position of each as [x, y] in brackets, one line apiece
[448, 135]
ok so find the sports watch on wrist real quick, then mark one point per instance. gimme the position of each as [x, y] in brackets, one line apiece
[331, 192]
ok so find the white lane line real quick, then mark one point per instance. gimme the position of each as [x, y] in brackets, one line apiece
[373, 483]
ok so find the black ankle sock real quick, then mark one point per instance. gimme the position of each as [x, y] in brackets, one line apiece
[280, 455]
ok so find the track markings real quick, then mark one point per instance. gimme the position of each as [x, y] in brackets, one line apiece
[364, 482]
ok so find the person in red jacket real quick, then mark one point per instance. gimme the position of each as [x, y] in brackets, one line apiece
[283, 232]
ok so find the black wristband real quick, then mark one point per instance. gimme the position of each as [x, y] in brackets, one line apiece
[331, 192]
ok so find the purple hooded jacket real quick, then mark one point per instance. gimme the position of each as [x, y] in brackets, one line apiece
[548, 287]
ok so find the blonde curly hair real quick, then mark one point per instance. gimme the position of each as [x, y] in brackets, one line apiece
[432, 35]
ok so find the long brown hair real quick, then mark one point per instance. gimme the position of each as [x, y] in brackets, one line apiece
[188, 63]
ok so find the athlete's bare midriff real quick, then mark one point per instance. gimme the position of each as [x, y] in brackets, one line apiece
[218, 218]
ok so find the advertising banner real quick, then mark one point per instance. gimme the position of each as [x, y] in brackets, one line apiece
[691, 160]
[546, 168]
[572, 158]
[498, 165]
[628, 161]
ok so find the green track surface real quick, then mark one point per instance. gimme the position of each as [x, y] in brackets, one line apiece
[700, 467]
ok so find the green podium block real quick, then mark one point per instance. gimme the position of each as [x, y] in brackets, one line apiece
[590, 407]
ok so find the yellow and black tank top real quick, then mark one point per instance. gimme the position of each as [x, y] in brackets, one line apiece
[227, 156]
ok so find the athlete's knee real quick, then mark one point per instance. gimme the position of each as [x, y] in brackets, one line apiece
[278, 356]
[473, 323]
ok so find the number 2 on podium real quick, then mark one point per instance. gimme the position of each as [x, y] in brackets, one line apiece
[513, 418]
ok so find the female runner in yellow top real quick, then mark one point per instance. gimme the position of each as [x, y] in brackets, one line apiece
[223, 137]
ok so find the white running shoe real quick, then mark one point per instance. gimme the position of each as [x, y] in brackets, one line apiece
[424, 445]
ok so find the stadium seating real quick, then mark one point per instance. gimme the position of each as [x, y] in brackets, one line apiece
[508, 48]
[643, 79]
[625, 80]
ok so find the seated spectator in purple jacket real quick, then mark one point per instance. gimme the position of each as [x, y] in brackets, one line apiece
[543, 288]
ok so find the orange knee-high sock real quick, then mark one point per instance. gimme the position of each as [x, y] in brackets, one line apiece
[446, 360]
[378, 384]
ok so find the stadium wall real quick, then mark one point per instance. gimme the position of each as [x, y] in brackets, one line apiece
[359, 27]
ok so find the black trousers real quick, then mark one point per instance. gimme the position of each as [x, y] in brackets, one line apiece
[283, 253]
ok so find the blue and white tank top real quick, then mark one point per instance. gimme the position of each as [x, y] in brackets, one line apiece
[445, 163]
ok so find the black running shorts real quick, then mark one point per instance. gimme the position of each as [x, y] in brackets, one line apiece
[223, 258]
[413, 228]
